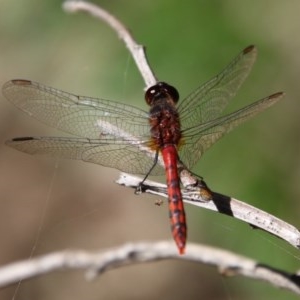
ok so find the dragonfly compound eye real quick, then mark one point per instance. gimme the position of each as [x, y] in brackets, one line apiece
[159, 91]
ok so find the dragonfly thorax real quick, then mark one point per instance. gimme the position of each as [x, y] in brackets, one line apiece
[165, 124]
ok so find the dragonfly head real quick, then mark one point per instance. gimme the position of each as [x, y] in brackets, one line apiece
[159, 91]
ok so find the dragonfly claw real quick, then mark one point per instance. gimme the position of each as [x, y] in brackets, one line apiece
[139, 189]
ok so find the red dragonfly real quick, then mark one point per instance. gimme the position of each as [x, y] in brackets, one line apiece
[135, 141]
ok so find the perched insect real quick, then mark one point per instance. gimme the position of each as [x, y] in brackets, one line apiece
[135, 141]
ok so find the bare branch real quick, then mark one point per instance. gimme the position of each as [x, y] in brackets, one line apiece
[228, 263]
[137, 51]
[225, 205]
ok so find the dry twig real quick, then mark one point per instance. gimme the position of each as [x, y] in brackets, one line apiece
[228, 263]
[225, 205]
[137, 51]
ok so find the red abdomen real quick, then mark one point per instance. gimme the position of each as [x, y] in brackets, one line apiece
[176, 208]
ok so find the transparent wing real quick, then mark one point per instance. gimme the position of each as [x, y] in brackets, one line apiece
[199, 138]
[80, 116]
[209, 100]
[118, 135]
[111, 133]
[115, 154]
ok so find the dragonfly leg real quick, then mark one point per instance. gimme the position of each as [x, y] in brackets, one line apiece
[139, 189]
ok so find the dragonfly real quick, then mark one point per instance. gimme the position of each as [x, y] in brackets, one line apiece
[137, 141]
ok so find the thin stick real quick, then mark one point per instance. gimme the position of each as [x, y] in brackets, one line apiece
[225, 205]
[137, 51]
[228, 263]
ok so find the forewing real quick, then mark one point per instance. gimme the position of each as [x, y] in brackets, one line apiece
[209, 100]
[81, 116]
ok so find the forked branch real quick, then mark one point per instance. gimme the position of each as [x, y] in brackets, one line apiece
[137, 51]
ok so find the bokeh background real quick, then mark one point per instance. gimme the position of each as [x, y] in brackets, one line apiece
[47, 206]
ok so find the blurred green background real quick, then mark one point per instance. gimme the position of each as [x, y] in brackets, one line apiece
[78, 204]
